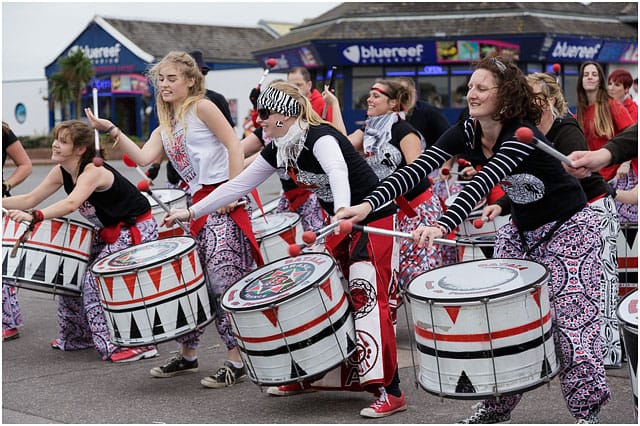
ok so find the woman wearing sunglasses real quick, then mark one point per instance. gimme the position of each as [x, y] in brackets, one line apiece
[315, 155]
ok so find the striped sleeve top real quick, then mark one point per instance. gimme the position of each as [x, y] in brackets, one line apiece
[538, 187]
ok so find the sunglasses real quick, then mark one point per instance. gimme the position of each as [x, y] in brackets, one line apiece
[264, 113]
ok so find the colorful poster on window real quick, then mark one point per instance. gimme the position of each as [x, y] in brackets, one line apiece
[473, 50]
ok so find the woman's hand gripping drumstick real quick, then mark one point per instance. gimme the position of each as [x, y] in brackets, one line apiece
[26, 218]
[310, 238]
[348, 226]
[175, 216]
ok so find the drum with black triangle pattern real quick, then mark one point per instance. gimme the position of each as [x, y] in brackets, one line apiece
[627, 245]
[483, 328]
[52, 260]
[292, 319]
[153, 292]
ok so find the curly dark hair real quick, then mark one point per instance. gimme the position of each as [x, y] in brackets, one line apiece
[515, 97]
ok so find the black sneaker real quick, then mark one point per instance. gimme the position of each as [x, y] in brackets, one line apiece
[228, 375]
[176, 365]
[482, 415]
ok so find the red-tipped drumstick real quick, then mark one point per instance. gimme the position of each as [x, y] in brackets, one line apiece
[347, 226]
[463, 163]
[525, 135]
[271, 62]
[143, 186]
[448, 172]
[130, 163]
[556, 68]
[97, 159]
[310, 237]
[479, 223]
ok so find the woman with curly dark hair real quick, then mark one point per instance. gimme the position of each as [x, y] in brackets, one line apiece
[551, 224]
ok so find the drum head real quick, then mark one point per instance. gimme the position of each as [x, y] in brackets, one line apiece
[143, 255]
[628, 309]
[479, 279]
[273, 224]
[278, 281]
[166, 195]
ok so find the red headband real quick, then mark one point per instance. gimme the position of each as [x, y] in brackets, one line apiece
[376, 89]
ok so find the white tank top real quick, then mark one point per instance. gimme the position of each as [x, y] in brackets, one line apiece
[199, 157]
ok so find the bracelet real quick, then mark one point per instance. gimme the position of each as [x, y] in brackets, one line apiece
[190, 213]
[117, 138]
[113, 126]
[7, 185]
[37, 216]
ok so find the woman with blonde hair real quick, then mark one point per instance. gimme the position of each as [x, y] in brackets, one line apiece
[206, 153]
[559, 126]
[319, 157]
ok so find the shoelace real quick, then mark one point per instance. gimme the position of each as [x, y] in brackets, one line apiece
[229, 376]
[382, 399]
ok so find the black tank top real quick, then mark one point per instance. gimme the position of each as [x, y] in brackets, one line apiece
[122, 202]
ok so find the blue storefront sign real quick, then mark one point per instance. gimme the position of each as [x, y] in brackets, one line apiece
[364, 53]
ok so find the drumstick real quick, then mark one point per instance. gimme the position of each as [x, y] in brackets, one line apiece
[463, 163]
[448, 172]
[130, 163]
[479, 223]
[332, 82]
[271, 62]
[310, 237]
[347, 226]
[525, 135]
[143, 185]
[97, 159]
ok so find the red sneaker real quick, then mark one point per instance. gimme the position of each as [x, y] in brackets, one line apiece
[10, 334]
[288, 390]
[133, 354]
[384, 406]
[55, 344]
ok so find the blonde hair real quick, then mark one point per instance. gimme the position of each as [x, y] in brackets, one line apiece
[188, 69]
[306, 110]
[550, 88]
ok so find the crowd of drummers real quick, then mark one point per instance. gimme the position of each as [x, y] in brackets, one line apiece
[417, 194]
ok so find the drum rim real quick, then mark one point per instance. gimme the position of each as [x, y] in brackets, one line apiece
[544, 278]
[277, 230]
[81, 223]
[486, 395]
[179, 253]
[154, 203]
[622, 302]
[278, 301]
[40, 284]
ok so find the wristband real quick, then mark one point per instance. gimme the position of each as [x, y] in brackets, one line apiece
[7, 185]
[37, 216]
[110, 129]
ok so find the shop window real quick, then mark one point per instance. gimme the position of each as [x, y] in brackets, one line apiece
[391, 72]
[376, 72]
[360, 92]
[434, 90]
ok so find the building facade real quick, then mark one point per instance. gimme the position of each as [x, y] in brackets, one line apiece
[437, 43]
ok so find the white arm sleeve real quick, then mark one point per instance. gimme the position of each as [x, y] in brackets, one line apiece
[256, 173]
[328, 154]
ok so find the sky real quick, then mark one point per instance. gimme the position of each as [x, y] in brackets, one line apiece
[34, 34]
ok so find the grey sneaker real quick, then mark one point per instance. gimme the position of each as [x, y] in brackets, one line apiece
[482, 415]
[176, 365]
[227, 375]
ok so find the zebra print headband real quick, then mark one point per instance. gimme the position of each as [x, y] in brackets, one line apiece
[277, 101]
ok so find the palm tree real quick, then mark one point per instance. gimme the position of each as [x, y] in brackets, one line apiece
[76, 71]
[61, 94]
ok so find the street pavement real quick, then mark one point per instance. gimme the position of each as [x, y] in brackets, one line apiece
[43, 385]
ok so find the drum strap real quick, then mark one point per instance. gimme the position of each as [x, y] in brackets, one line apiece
[525, 247]
[405, 207]
[413, 204]
[110, 234]
[239, 216]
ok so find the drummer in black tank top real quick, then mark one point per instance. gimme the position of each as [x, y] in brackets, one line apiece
[121, 216]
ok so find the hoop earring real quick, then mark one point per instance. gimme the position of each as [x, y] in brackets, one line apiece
[279, 123]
